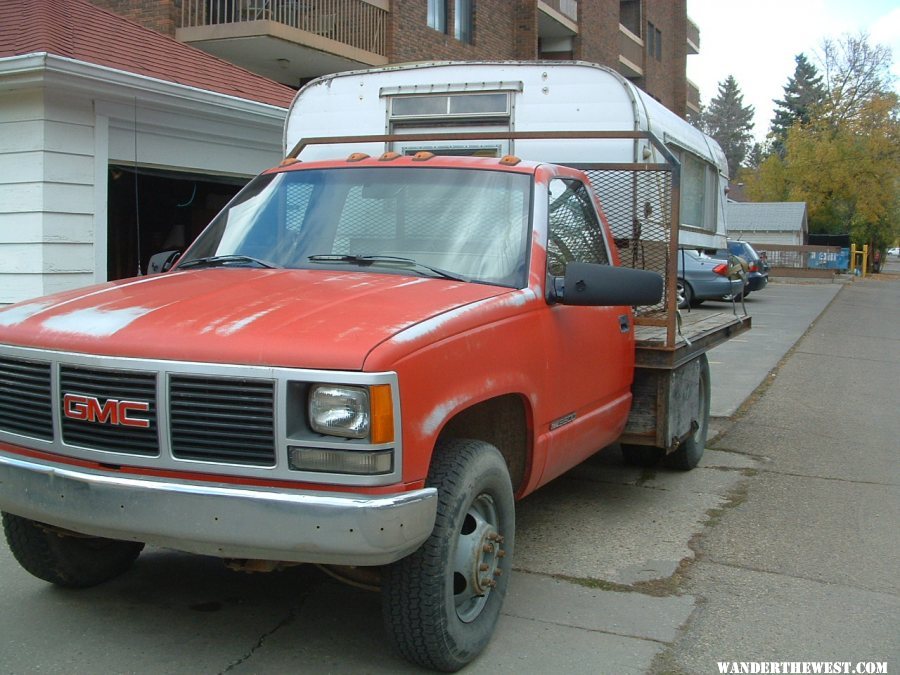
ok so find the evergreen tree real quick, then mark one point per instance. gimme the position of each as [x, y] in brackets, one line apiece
[730, 122]
[755, 156]
[802, 93]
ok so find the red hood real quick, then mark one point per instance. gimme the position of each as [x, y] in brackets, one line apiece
[291, 318]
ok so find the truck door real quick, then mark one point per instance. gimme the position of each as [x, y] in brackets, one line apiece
[590, 349]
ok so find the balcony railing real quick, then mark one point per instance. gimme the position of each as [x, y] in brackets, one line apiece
[357, 23]
[568, 8]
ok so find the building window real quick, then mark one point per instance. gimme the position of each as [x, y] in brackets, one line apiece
[463, 16]
[654, 42]
[437, 15]
[630, 15]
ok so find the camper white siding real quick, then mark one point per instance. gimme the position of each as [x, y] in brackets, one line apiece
[542, 97]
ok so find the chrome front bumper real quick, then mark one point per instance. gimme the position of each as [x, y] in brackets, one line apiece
[220, 520]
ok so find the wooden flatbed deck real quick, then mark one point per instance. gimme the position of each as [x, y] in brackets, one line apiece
[703, 332]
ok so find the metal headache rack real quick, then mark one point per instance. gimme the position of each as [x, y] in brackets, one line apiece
[640, 201]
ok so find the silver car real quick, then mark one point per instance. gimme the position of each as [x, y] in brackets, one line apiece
[703, 278]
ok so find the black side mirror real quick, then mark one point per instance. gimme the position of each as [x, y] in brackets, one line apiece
[162, 262]
[607, 286]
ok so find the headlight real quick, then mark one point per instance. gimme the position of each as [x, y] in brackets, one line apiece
[339, 410]
[353, 412]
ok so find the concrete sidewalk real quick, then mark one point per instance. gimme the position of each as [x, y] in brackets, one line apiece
[805, 565]
[782, 312]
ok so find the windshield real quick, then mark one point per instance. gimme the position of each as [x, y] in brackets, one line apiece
[455, 223]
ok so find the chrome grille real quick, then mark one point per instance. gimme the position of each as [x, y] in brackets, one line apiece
[105, 385]
[26, 406]
[222, 419]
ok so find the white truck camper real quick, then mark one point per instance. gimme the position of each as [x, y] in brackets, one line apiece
[524, 97]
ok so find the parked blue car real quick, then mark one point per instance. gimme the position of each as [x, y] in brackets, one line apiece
[703, 278]
[758, 269]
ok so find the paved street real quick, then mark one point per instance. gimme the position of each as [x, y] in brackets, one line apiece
[781, 545]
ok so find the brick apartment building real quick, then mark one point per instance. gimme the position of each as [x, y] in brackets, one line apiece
[292, 41]
[101, 108]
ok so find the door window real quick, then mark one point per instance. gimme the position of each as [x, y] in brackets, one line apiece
[575, 234]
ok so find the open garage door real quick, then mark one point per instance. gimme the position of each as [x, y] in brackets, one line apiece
[151, 210]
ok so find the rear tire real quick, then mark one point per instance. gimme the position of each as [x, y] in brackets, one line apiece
[441, 603]
[690, 451]
[71, 561]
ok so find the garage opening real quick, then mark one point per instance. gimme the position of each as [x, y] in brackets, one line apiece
[153, 210]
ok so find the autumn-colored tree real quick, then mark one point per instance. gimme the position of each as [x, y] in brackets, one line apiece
[844, 161]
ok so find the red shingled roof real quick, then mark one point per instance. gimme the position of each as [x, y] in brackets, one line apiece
[76, 29]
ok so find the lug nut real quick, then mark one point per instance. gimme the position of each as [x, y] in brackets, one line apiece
[498, 572]
[501, 553]
[488, 548]
[483, 567]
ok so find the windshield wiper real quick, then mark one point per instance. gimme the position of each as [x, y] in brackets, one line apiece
[220, 260]
[385, 260]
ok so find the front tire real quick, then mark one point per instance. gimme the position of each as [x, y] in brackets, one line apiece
[71, 561]
[441, 603]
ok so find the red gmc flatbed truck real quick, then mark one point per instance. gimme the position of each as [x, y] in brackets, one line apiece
[359, 363]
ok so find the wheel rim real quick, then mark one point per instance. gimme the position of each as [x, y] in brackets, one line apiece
[477, 559]
[679, 294]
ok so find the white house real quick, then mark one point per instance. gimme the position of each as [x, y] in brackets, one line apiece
[115, 140]
[782, 223]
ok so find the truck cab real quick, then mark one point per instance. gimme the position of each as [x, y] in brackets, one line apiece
[359, 362]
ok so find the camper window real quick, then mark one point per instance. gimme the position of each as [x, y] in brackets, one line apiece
[698, 191]
[447, 105]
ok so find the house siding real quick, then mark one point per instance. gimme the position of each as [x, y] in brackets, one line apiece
[55, 151]
[46, 195]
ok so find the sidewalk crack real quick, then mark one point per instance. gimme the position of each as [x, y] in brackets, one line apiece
[707, 559]
[286, 621]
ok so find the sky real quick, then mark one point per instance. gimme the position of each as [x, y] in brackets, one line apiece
[757, 42]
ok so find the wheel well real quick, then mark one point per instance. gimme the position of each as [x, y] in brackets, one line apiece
[501, 422]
